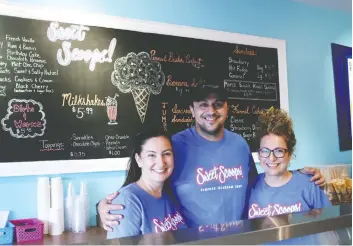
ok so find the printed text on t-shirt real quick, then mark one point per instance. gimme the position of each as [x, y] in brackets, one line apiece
[170, 222]
[273, 209]
[220, 173]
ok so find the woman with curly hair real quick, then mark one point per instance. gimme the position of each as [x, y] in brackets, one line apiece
[278, 190]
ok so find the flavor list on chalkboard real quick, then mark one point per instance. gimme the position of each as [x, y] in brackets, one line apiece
[24, 67]
[72, 91]
[112, 145]
[253, 86]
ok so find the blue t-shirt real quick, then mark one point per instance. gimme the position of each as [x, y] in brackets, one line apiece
[144, 213]
[210, 179]
[297, 195]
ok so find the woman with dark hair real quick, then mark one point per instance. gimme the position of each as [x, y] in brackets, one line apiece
[146, 192]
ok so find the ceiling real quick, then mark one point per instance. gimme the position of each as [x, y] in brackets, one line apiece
[345, 5]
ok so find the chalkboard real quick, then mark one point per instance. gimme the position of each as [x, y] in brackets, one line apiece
[75, 93]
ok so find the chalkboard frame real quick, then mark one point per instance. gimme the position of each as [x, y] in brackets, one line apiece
[99, 20]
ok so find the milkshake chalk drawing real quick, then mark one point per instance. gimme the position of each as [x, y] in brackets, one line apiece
[112, 109]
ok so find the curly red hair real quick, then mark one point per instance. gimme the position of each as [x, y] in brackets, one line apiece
[278, 122]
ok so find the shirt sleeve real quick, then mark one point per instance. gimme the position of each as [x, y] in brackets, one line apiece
[318, 197]
[252, 176]
[130, 225]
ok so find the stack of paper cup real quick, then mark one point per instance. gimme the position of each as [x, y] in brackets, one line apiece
[55, 227]
[69, 206]
[43, 201]
[57, 206]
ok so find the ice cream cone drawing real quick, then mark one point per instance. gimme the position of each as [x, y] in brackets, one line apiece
[112, 109]
[138, 74]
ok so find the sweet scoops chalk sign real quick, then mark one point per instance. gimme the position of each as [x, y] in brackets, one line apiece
[77, 91]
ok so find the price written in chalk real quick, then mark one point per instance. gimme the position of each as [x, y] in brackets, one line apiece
[24, 130]
[266, 72]
[266, 76]
[248, 94]
[114, 152]
[77, 154]
[82, 111]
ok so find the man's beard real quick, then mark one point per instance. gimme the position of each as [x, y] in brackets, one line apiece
[214, 132]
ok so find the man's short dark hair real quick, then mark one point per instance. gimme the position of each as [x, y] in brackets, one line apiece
[204, 91]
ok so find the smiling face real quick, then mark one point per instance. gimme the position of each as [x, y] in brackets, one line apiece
[210, 115]
[272, 165]
[156, 159]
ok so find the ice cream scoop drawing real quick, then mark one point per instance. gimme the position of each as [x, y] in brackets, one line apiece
[138, 74]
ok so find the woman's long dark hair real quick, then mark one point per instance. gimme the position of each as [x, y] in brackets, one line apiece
[133, 172]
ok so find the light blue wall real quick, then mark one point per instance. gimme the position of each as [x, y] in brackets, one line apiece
[308, 32]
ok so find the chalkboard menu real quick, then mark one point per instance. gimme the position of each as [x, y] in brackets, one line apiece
[72, 91]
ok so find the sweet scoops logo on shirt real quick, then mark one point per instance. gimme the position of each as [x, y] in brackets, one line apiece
[170, 222]
[273, 209]
[219, 174]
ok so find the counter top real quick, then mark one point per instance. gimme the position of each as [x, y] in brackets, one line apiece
[255, 231]
[93, 234]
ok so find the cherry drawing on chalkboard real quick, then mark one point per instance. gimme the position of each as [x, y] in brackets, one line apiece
[24, 119]
[138, 74]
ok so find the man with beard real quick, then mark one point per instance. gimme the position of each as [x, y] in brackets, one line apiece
[214, 169]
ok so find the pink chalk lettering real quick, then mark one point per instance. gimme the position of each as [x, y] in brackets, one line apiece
[24, 124]
[19, 108]
[25, 118]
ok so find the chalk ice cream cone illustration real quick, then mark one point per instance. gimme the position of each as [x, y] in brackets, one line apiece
[138, 74]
